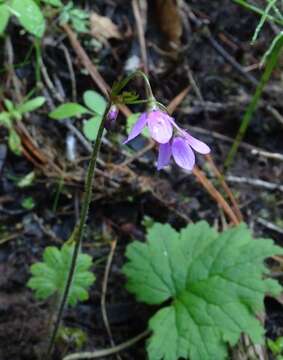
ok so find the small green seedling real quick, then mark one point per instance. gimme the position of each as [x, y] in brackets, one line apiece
[95, 106]
[214, 282]
[26, 180]
[78, 18]
[276, 347]
[70, 336]
[15, 113]
[49, 277]
[28, 203]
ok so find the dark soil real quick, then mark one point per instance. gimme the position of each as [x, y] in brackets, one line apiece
[118, 211]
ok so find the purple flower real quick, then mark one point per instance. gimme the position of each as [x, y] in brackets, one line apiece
[159, 125]
[179, 144]
[111, 117]
[181, 148]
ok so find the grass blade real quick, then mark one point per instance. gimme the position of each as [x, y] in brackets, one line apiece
[258, 11]
[271, 61]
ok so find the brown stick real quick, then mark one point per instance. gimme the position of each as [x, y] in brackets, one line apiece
[178, 99]
[91, 68]
[104, 291]
[140, 30]
[98, 79]
[215, 194]
[225, 187]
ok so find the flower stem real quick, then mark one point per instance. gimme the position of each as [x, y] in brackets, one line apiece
[137, 73]
[79, 231]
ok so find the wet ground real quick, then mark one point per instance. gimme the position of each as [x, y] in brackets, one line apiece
[215, 58]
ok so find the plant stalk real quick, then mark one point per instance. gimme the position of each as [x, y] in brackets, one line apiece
[271, 62]
[79, 231]
[148, 89]
[258, 11]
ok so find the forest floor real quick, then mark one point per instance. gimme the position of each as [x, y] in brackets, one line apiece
[208, 77]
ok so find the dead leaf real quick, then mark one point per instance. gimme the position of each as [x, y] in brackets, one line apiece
[170, 21]
[103, 28]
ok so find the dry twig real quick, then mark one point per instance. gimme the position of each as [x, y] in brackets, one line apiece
[104, 291]
[215, 194]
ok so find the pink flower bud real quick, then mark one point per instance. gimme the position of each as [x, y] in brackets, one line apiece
[111, 117]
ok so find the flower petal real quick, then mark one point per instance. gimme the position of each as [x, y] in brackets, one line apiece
[197, 145]
[137, 128]
[159, 126]
[183, 154]
[164, 155]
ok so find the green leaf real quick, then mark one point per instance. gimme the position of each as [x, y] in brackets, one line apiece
[26, 180]
[77, 17]
[215, 283]
[68, 110]
[276, 346]
[80, 14]
[5, 119]
[91, 127]
[72, 336]
[31, 105]
[4, 17]
[95, 102]
[9, 105]
[129, 97]
[28, 203]
[29, 16]
[14, 142]
[64, 17]
[79, 25]
[49, 277]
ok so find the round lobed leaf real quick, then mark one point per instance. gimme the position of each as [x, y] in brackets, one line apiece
[49, 277]
[215, 282]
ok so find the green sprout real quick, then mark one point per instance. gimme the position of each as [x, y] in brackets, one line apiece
[78, 18]
[276, 347]
[95, 106]
[15, 113]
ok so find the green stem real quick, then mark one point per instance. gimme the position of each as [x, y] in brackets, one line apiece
[37, 61]
[57, 194]
[258, 11]
[270, 65]
[129, 78]
[79, 232]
